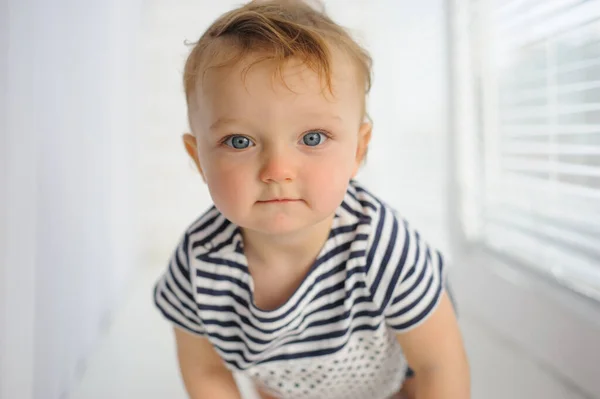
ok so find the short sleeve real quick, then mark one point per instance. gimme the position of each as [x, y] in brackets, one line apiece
[418, 285]
[173, 293]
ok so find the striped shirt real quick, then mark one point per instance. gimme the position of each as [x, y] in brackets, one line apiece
[335, 337]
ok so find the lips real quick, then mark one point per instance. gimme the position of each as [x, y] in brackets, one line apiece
[278, 201]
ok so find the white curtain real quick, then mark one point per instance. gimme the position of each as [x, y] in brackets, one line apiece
[69, 249]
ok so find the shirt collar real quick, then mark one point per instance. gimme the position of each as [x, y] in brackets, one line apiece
[230, 241]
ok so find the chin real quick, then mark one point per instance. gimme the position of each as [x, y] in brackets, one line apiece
[285, 224]
[279, 227]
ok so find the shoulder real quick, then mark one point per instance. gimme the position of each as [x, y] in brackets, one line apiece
[356, 217]
[208, 232]
[386, 226]
[360, 202]
[393, 247]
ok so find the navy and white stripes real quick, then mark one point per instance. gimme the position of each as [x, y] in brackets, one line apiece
[374, 276]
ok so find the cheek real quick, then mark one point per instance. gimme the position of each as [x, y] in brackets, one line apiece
[328, 190]
[329, 177]
[226, 180]
[339, 164]
[327, 173]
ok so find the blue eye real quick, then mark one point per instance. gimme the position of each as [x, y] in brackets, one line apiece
[313, 139]
[238, 142]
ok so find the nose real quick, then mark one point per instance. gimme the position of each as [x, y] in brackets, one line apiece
[278, 166]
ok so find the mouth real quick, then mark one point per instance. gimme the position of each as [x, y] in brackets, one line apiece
[279, 201]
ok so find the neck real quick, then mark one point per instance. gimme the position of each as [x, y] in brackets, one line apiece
[297, 247]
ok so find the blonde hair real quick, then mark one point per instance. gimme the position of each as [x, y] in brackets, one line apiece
[279, 30]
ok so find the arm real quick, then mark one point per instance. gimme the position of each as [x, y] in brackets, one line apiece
[203, 372]
[435, 351]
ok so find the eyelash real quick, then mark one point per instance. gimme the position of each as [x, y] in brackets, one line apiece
[226, 138]
[323, 132]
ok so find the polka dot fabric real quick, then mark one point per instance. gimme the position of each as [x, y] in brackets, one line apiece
[368, 366]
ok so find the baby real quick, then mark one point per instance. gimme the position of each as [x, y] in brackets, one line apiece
[299, 277]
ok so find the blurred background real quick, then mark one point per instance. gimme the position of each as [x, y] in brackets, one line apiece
[487, 138]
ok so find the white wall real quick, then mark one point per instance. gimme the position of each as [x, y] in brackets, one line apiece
[406, 160]
[173, 194]
[407, 155]
[71, 106]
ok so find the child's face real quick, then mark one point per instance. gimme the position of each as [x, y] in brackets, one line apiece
[278, 159]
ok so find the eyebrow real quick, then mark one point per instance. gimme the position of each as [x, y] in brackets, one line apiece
[319, 116]
[226, 120]
[222, 121]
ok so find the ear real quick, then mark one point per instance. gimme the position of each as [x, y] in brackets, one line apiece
[364, 138]
[191, 147]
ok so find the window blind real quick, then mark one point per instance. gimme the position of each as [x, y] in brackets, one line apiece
[539, 66]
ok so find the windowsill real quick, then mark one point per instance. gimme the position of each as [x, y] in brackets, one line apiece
[529, 278]
[548, 322]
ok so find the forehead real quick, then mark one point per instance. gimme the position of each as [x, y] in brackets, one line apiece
[257, 81]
